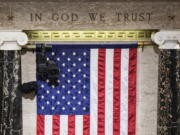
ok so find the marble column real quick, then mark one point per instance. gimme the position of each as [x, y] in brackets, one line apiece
[10, 82]
[11, 110]
[169, 82]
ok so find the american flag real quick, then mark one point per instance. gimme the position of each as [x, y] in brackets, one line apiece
[96, 91]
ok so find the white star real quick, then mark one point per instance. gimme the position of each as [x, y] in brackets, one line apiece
[79, 92]
[52, 53]
[47, 80]
[63, 97]
[48, 102]
[58, 59]
[84, 108]
[58, 102]
[74, 86]
[42, 107]
[42, 97]
[53, 86]
[52, 108]
[69, 70]
[42, 86]
[74, 64]
[84, 86]
[84, 75]
[79, 59]
[63, 108]
[63, 53]
[79, 81]
[63, 86]
[47, 91]
[68, 81]
[68, 103]
[79, 70]
[47, 59]
[69, 59]
[74, 53]
[84, 64]
[84, 53]
[84, 97]
[58, 91]
[74, 97]
[79, 103]
[58, 81]
[74, 108]
[53, 97]
[69, 92]
[74, 75]
[63, 64]
[63, 75]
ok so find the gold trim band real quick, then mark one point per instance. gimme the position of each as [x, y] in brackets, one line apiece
[55, 36]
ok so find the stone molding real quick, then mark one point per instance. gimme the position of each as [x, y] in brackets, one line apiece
[167, 39]
[12, 40]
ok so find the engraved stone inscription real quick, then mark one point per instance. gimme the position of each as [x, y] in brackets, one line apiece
[135, 17]
[65, 17]
[97, 16]
[93, 16]
[87, 15]
[35, 17]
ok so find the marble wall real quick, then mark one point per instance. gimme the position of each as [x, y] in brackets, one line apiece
[19, 15]
[29, 101]
[147, 89]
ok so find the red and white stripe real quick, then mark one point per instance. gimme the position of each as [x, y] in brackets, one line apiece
[112, 99]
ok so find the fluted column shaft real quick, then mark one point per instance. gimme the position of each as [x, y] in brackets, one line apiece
[169, 93]
[11, 98]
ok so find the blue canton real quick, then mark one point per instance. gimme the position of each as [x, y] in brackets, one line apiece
[72, 95]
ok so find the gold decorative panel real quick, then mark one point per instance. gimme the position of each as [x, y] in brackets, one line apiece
[55, 36]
